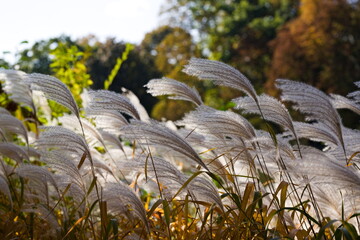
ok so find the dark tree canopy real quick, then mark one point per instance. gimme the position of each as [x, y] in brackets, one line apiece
[134, 73]
[170, 48]
[320, 47]
[237, 31]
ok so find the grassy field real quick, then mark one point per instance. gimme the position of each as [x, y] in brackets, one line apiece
[108, 171]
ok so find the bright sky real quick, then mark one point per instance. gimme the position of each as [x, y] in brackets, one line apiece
[33, 20]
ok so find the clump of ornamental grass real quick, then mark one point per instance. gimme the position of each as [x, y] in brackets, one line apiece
[111, 172]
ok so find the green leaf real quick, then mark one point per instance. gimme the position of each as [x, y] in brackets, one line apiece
[116, 68]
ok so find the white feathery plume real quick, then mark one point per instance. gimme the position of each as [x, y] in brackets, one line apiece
[53, 89]
[12, 125]
[191, 136]
[341, 102]
[314, 103]
[111, 139]
[204, 190]
[166, 173]
[318, 132]
[352, 145]
[121, 199]
[336, 203]
[207, 120]
[4, 111]
[16, 88]
[172, 179]
[37, 174]
[32, 152]
[107, 120]
[144, 116]
[177, 90]
[92, 135]
[156, 134]
[221, 74]
[268, 149]
[101, 160]
[321, 168]
[60, 138]
[107, 100]
[271, 108]
[13, 151]
[66, 171]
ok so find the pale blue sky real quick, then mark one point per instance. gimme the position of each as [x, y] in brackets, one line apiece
[34, 20]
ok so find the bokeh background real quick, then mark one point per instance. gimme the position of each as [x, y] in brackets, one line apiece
[80, 42]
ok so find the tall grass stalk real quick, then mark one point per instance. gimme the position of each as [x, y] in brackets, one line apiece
[212, 175]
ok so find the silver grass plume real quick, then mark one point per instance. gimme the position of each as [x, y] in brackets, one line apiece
[177, 90]
[53, 89]
[16, 88]
[314, 103]
[121, 199]
[341, 102]
[332, 204]
[204, 190]
[166, 173]
[321, 168]
[39, 175]
[92, 135]
[172, 179]
[112, 140]
[352, 144]
[155, 134]
[12, 125]
[4, 111]
[144, 116]
[266, 144]
[107, 100]
[66, 171]
[316, 132]
[221, 74]
[207, 120]
[271, 108]
[13, 151]
[107, 120]
[60, 138]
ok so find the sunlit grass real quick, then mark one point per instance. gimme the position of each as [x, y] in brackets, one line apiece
[115, 174]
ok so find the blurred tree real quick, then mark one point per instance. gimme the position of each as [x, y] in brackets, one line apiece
[116, 68]
[134, 73]
[68, 65]
[4, 64]
[37, 57]
[320, 47]
[236, 32]
[169, 49]
[4, 99]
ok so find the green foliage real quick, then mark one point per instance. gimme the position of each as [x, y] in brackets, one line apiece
[133, 74]
[238, 31]
[68, 65]
[117, 66]
[37, 57]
